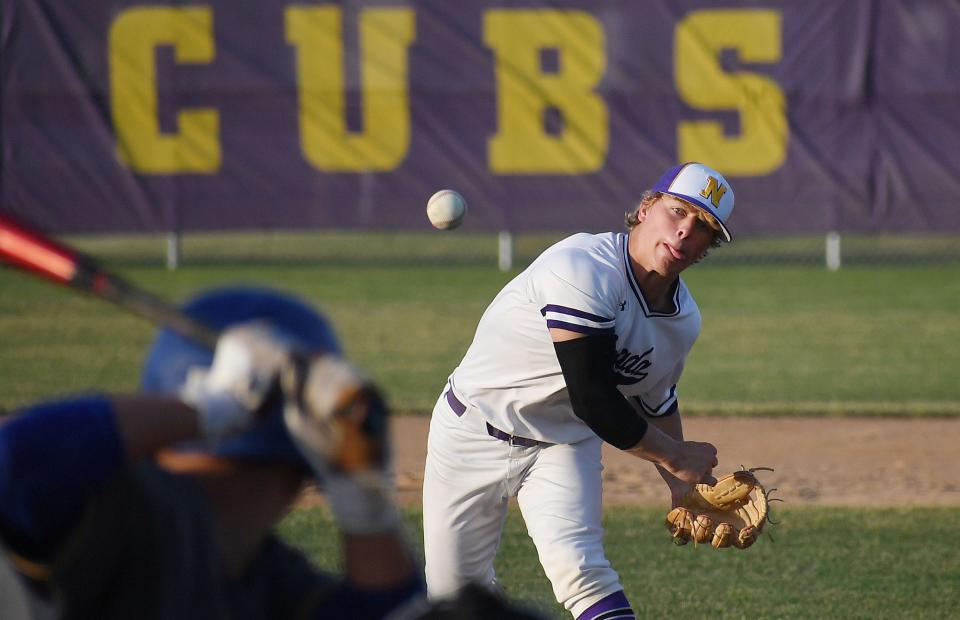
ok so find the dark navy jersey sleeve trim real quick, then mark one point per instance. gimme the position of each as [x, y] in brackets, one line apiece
[573, 312]
[580, 329]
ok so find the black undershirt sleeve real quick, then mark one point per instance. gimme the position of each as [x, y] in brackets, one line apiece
[587, 364]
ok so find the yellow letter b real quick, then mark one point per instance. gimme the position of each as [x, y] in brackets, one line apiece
[528, 91]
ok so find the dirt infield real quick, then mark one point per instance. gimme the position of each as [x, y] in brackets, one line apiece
[818, 461]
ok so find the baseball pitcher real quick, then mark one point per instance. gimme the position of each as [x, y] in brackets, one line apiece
[585, 346]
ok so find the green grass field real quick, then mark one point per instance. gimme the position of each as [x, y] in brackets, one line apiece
[777, 338]
[823, 563]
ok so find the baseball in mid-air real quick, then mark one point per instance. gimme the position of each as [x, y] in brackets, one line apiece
[446, 209]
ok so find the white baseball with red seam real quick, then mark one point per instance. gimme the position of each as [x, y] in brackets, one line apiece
[446, 209]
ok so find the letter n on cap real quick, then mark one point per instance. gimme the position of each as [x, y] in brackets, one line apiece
[713, 191]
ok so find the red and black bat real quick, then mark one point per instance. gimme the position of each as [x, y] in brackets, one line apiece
[42, 256]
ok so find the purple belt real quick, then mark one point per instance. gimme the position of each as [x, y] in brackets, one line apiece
[459, 409]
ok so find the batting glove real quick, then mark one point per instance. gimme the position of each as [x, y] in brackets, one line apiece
[339, 422]
[246, 368]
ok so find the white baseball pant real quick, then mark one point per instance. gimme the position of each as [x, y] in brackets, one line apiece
[468, 480]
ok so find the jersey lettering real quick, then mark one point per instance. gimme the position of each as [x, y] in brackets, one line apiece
[630, 368]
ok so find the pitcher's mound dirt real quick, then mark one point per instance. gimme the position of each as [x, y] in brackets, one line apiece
[818, 461]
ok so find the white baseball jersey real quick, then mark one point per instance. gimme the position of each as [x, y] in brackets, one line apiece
[583, 284]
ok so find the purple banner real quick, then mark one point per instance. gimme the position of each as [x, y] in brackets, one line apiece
[128, 116]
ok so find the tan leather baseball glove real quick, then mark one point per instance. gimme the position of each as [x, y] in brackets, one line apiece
[731, 512]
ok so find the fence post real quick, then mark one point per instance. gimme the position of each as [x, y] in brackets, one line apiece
[173, 250]
[833, 256]
[505, 250]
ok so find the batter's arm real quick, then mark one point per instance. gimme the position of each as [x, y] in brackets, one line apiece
[55, 453]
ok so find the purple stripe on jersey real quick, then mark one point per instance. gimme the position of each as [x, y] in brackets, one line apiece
[654, 410]
[609, 607]
[455, 404]
[573, 312]
[580, 329]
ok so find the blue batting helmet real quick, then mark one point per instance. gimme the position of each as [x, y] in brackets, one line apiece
[172, 356]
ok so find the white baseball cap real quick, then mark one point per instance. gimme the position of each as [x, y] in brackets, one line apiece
[703, 187]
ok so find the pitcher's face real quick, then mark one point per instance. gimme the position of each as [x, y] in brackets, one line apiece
[672, 235]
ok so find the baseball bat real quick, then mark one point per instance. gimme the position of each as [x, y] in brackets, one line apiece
[40, 255]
